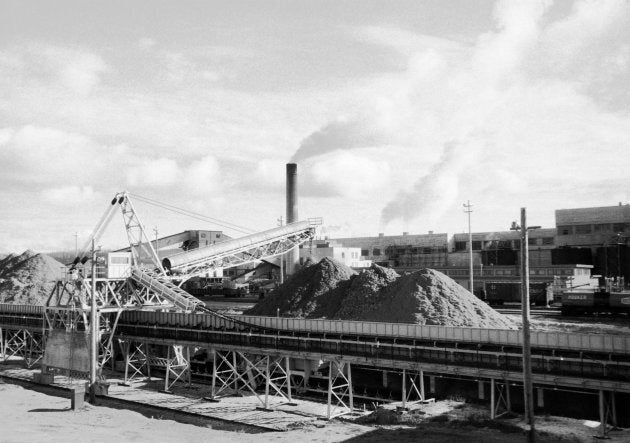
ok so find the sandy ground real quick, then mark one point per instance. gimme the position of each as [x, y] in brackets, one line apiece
[28, 416]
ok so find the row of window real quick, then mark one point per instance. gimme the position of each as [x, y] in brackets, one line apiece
[593, 228]
[507, 272]
[478, 245]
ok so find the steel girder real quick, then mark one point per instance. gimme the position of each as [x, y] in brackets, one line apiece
[499, 398]
[339, 387]
[22, 343]
[236, 372]
[415, 392]
[138, 357]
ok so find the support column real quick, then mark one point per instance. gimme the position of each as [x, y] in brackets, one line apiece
[540, 397]
[350, 389]
[126, 347]
[422, 397]
[507, 396]
[481, 390]
[214, 372]
[267, 377]
[168, 368]
[404, 388]
[384, 378]
[234, 360]
[602, 415]
[189, 367]
[148, 363]
[492, 406]
[288, 371]
[330, 387]
[613, 405]
[432, 384]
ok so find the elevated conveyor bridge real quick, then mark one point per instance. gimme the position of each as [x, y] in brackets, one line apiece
[269, 347]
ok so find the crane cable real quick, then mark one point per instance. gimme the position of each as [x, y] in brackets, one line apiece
[192, 214]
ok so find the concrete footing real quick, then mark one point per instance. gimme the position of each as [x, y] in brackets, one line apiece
[44, 378]
[77, 397]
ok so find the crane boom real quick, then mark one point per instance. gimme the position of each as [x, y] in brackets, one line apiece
[242, 250]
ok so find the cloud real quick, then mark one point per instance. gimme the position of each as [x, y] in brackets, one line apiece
[350, 175]
[486, 114]
[203, 177]
[40, 155]
[158, 172]
[146, 43]
[77, 70]
[196, 178]
[69, 195]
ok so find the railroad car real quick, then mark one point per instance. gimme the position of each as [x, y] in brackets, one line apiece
[595, 300]
[498, 293]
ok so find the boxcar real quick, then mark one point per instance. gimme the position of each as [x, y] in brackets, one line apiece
[498, 293]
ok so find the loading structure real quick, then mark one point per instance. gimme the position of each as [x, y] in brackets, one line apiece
[151, 285]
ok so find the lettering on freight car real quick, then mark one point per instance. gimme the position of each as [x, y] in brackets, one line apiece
[625, 301]
[577, 297]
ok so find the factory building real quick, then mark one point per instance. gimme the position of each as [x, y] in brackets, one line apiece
[413, 251]
[593, 227]
[584, 241]
[599, 234]
[184, 241]
[318, 249]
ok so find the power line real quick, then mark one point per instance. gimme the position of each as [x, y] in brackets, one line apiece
[193, 215]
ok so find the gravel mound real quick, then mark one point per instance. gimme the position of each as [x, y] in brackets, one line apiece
[28, 278]
[330, 289]
[363, 295]
[428, 297]
[315, 291]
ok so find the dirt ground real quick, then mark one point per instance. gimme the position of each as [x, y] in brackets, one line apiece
[27, 416]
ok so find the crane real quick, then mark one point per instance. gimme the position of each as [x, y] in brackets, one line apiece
[162, 279]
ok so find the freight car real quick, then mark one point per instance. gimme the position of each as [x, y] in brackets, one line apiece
[498, 293]
[596, 300]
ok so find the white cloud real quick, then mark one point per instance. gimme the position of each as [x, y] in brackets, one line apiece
[203, 177]
[69, 195]
[159, 172]
[78, 70]
[146, 43]
[349, 175]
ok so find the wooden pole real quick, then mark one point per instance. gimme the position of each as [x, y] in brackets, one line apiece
[93, 330]
[527, 358]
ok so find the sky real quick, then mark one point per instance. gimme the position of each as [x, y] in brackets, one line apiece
[397, 113]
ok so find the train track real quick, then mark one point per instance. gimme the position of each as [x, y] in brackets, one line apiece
[537, 312]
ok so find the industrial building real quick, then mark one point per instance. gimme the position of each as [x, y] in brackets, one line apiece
[592, 240]
[318, 249]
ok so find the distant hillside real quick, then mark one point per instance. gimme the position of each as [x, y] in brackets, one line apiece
[28, 278]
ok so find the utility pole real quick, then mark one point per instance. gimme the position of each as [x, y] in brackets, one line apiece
[93, 329]
[76, 244]
[528, 389]
[281, 256]
[468, 210]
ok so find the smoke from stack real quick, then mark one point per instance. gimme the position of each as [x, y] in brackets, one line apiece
[292, 257]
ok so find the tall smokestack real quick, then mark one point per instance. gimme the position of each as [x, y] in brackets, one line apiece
[292, 257]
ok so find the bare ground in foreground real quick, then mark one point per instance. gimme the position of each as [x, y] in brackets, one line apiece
[27, 416]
